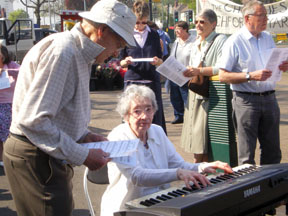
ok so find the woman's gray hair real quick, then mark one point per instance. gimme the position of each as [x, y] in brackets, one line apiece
[131, 93]
[208, 14]
[249, 6]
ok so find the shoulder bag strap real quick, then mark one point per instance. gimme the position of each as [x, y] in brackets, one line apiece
[207, 49]
[176, 49]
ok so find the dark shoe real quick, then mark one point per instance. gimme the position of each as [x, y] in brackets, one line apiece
[178, 120]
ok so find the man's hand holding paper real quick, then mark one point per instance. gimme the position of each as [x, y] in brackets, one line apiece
[118, 151]
[277, 63]
[284, 66]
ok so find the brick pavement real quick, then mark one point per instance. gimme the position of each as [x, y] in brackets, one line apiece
[104, 118]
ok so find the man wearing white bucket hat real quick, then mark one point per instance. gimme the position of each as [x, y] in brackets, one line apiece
[51, 110]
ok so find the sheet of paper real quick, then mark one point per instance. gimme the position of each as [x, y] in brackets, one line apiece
[173, 70]
[277, 56]
[127, 160]
[120, 151]
[4, 80]
[142, 60]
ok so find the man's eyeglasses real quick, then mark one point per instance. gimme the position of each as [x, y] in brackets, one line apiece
[259, 15]
[199, 21]
[143, 23]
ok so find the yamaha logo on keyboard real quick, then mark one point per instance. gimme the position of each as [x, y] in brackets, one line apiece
[252, 191]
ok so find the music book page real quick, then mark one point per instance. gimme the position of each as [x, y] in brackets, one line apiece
[276, 58]
[173, 70]
[120, 151]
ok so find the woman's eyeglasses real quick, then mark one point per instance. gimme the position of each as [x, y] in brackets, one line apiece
[199, 21]
[137, 113]
[143, 23]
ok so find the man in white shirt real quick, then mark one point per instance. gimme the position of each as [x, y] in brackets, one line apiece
[256, 112]
[51, 110]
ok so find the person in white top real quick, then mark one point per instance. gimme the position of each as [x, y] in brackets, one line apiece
[256, 114]
[158, 163]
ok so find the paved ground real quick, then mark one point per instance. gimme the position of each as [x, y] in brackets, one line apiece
[104, 118]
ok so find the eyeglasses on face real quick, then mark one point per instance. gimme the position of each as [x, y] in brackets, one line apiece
[199, 21]
[137, 113]
[259, 15]
[143, 23]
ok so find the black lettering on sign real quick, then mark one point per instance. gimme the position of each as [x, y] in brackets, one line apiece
[237, 22]
[275, 23]
[227, 8]
[228, 21]
[232, 8]
[282, 4]
[216, 7]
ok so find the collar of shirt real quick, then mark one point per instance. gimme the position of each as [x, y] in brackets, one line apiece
[247, 34]
[210, 37]
[201, 44]
[146, 30]
[89, 49]
[152, 135]
[141, 37]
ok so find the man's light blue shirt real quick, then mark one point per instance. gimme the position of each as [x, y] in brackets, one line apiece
[243, 52]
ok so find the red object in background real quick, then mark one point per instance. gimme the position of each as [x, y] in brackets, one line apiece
[115, 64]
[69, 15]
[122, 72]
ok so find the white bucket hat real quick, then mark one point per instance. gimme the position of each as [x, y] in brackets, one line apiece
[116, 15]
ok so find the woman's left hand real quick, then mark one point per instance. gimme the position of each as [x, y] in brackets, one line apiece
[189, 176]
[191, 72]
[211, 167]
[156, 61]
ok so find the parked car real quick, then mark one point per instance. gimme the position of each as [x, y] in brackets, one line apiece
[41, 33]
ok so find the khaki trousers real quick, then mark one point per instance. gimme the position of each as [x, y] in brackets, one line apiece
[40, 184]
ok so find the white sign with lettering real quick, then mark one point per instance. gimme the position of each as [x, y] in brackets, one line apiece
[230, 18]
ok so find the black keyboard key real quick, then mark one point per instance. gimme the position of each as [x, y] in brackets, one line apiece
[173, 194]
[161, 198]
[145, 203]
[178, 193]
[214, 181]
[187, 189]
[181, 191]
[165, 196]
[154, 200]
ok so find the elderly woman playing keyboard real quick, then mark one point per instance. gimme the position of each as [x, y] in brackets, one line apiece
[158, 163]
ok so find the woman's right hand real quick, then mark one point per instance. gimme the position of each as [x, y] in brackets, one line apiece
[192, 176]
[125, 62]
[191, 71]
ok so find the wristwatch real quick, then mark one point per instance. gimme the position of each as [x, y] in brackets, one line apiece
[248, 76]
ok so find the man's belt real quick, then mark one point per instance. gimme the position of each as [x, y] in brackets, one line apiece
[20, 137]
[257, 93]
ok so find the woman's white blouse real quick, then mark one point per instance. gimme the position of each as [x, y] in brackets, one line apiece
[156, 167]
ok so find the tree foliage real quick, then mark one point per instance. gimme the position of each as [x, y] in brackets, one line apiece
[17, 14]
